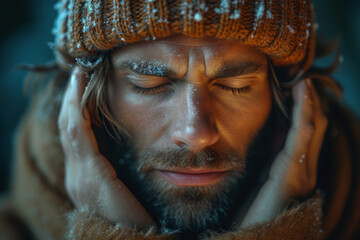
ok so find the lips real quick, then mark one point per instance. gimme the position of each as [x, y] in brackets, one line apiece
[192, 177]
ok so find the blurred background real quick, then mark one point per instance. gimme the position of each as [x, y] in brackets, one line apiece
[25, 34]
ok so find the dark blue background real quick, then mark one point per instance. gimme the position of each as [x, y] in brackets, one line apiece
[25, 31]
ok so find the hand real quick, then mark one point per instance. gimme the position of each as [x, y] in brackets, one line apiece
[90, 180]
[294, 170]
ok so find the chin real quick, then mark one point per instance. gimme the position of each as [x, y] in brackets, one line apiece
[195, 210]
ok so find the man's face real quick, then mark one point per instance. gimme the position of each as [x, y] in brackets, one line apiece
[190, 108]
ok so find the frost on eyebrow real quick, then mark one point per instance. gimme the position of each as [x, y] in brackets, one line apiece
[145, 67]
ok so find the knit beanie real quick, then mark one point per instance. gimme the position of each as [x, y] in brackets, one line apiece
[281, 29]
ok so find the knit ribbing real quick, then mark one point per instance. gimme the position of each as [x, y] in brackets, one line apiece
[282, 29]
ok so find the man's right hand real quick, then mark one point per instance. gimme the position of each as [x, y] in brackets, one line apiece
[90, 180]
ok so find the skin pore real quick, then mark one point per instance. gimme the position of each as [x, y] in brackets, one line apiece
[190, 108]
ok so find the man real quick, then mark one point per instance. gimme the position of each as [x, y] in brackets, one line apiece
[190, 120]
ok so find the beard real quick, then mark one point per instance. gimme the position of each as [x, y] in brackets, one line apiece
[189, 210]
[185, 209]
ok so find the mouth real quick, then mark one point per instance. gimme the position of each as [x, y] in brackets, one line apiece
[192, 177]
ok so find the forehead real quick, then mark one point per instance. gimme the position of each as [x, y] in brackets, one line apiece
[178, 47]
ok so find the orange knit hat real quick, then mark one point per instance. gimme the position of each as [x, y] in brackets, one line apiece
[282, 29]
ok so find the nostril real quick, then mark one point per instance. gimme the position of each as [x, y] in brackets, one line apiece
[195, 138]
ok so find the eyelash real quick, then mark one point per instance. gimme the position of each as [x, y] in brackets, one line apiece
[235, 91]
[148, 91]
[155, 90]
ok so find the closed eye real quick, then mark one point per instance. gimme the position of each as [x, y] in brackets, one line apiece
[235, 91]
[150, 90]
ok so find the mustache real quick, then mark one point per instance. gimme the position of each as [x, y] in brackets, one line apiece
[151, 159]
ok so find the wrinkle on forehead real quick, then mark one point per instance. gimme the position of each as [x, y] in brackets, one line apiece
[181, 54]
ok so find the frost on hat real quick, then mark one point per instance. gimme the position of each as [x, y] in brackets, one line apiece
[282, 29]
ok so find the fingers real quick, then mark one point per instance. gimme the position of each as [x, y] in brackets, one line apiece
[296, 164]
[302, 127]
[90, 180]
[320, 123]
[74, 122]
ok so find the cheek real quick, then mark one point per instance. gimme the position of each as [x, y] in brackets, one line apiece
[144, 121]
[240, 121]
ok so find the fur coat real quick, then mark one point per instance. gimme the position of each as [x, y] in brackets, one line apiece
[37, 206]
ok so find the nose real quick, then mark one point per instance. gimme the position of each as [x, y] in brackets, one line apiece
[195, 126]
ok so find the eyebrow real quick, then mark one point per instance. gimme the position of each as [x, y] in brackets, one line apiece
[229, 69]
[147, 68]
[232, 69]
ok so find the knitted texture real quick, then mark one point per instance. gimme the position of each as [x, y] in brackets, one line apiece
[282, 29]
